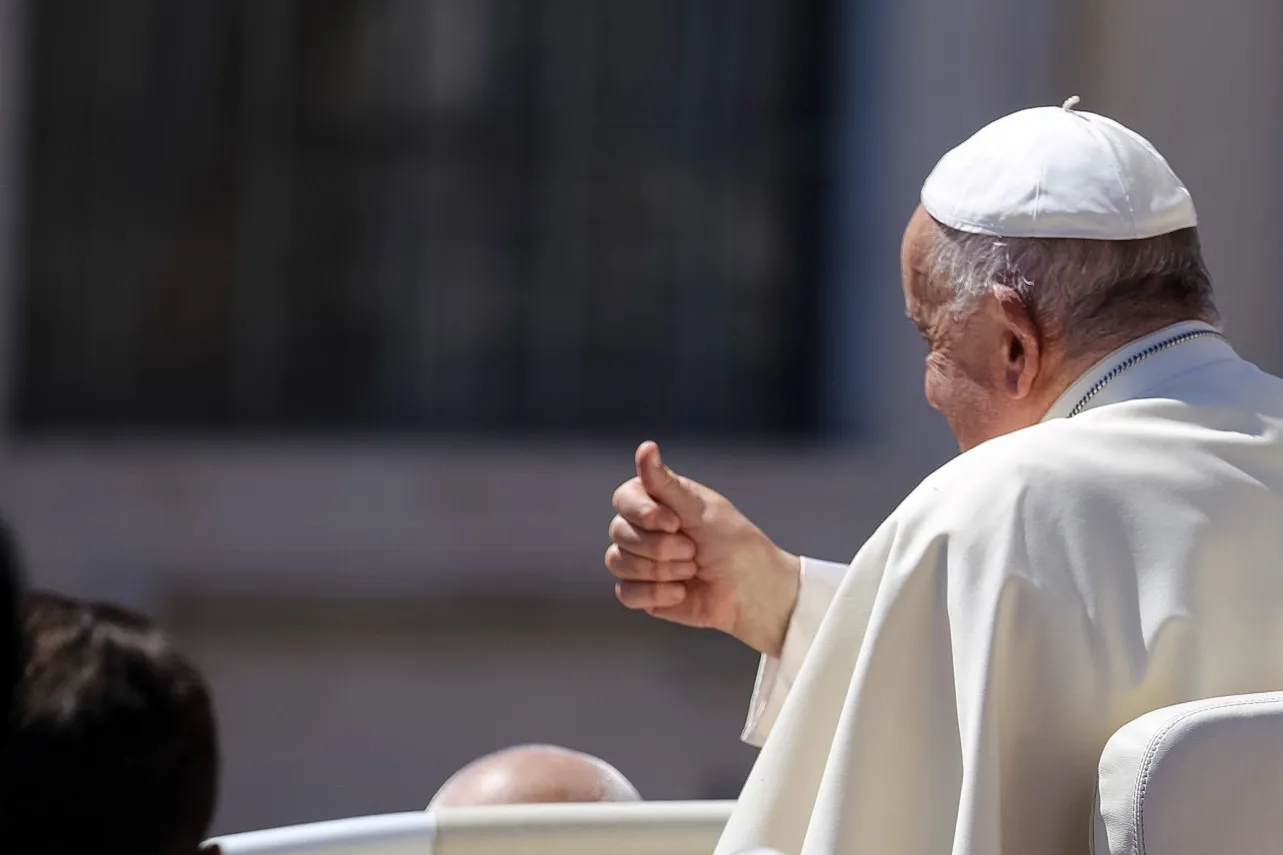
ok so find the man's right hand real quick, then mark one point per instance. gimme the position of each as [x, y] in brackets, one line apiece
[683, 553]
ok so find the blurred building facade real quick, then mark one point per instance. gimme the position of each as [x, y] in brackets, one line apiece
[329, 329]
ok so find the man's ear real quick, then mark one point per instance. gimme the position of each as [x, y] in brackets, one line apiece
[1021, 342]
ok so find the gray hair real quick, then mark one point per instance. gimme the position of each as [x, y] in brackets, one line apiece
[1080, 292]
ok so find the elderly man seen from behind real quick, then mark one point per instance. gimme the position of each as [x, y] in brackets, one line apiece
[1107, 544]
[535, 774]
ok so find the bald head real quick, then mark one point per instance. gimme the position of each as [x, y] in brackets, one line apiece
[535, 774]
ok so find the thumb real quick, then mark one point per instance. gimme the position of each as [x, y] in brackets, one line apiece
[682, 495]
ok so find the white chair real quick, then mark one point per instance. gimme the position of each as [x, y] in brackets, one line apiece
[389, 834]
[1201, 778]
[642, 828]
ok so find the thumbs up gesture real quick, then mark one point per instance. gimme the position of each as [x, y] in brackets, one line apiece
[684, 553]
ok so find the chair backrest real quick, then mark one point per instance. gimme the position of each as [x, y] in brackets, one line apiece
[1200, 778]
[642, 828]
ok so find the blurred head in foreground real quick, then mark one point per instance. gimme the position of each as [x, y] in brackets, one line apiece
[112, 737]
[535, 774]
[9, 641]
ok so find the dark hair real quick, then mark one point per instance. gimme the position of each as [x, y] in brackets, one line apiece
[9, 639]
[112, 737]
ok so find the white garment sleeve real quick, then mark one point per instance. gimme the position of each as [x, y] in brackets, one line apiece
[819, 582]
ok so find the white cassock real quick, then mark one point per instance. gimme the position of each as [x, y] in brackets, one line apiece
[951, 690]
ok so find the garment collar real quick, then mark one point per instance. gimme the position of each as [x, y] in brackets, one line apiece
[1145, 374]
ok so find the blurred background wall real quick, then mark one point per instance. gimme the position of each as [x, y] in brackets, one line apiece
[329, 328]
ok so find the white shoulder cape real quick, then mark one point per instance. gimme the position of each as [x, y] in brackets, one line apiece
[1024, 602]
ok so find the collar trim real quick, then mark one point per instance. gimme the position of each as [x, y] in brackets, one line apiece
[1129, 371]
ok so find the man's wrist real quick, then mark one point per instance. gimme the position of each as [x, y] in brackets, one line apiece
[770, 617]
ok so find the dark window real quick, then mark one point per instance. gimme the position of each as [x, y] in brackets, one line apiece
[566, 217]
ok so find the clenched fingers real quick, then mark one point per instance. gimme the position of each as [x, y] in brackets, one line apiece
[635, 568]
[634, 504]
[650, 595]
[659, 546]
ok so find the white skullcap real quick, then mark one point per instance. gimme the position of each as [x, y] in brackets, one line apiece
[1055, 172]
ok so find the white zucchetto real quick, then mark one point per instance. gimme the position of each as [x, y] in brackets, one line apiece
[1056, 172]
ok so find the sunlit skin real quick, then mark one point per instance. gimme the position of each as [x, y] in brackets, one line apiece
[988, 372]
[535, 774]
